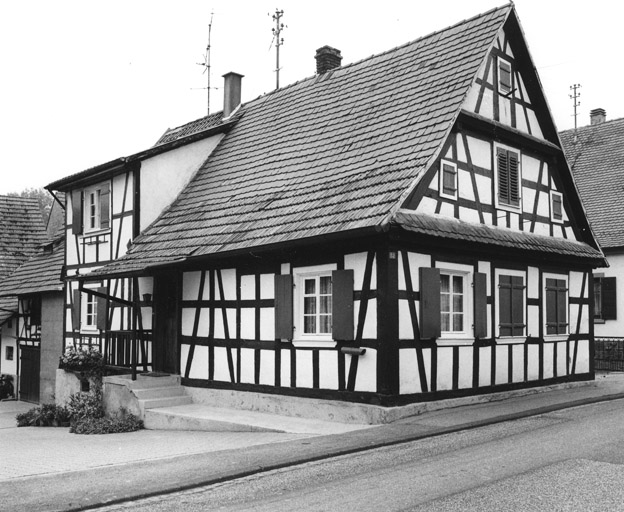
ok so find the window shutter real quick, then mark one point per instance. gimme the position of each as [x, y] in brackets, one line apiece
[77, 212]
[517, 306]
[557, 207]
[101, 310]
[448, 180]
[430, 303]
[104, 206]
[514, 182]
[562, 309]
[609, 300]
[480, 302]
[504, 306]
[551, 307]
[76, 311]
[505, 76]
[503, 176]
[284, 307]
[342, 305]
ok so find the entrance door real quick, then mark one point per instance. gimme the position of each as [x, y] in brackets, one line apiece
[166, 322]
[29, 374]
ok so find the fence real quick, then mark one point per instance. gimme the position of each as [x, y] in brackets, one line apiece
[609, 354]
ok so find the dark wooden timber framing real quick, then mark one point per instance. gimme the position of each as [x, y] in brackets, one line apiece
[387, 321]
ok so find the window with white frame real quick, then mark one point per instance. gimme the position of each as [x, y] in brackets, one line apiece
[448, 179]
[92, 210]
[556, 207]
[89, 312]
[556, 303]
[505, 77]
[313, 303]
[455, 302]
[508, 177]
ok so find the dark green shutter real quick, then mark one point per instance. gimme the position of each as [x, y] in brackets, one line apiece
[480, 302]
[77, 212]
[101, 310]
[517, 306]
[504, 306]
[557, 207]
[284, 307]
[76, 311]
[514, 179]
[342, 305]
[430, 303]
[105, 206]
[551, 307]
[609, 299]
[503, 176]
[562, 307]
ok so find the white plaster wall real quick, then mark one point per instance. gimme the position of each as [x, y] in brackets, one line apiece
[328, 369]
[485, 370]
[304, 369]
[366, 379]
[445, 369]
[248, 365]
[164, 176]
[267, 367]
[8, 340]
[465, 367]
[357, 263]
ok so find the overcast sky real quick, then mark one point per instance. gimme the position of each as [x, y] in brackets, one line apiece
[85, 82]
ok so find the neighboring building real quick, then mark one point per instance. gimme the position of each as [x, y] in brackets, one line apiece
[595, 154]
[400, 229]
[22, 231]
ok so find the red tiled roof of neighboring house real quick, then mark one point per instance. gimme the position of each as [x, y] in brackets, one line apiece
[331, 153]
[597, 162]
[22, 231]
[41, 273]
[449, 228]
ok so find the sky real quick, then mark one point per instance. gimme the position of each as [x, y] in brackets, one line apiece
[84, 82]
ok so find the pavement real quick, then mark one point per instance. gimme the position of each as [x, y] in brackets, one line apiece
[51, 469]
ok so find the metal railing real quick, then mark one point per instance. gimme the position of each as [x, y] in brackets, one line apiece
[609, 353]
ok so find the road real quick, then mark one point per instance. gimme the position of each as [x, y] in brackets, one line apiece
[566, 460]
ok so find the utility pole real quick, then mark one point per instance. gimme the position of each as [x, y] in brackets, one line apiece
[575, 96]
[279, 41]
[206, 63]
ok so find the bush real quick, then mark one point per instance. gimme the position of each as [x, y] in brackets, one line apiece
[46, 415]
[122, 422]
[90, 362]
[86, 405]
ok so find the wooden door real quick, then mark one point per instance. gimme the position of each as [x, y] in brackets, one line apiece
[29, 374]
[166, 322]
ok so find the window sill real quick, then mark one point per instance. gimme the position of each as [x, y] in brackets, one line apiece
[511, 340]
[509, 208]
[555, 337]
[314, 343]
[95, 232]
[599, 321]
[455, 342]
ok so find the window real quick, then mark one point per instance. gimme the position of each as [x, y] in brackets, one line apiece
[317, 305]
[556, 306]
[314, 304]
[91, 209]
[452, 303]
[508, 177]
[9, 353]
[505, 81]
[556, 207]
[605, 298]
[511, 305]
[88, 310]
[448, 180]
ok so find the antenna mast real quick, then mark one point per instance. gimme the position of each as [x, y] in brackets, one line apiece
[206, 63]
[279, 41]
[575, 96]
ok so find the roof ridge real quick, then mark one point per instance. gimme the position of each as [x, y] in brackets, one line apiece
[584, 127]
[385, 52]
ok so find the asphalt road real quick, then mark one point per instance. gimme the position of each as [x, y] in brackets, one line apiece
[565, 460]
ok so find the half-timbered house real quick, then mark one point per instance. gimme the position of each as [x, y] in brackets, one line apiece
[22, 231]
[399, 229]
[596, 156]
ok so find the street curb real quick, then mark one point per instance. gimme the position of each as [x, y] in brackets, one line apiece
[227, 476]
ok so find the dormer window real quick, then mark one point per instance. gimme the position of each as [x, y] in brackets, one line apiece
[505, 80]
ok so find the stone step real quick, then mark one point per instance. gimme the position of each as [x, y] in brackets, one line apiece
[160, 392]
[153, 403]
[215, 419]
[144, 381]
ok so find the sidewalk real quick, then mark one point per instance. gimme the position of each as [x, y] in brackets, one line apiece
[50, 469]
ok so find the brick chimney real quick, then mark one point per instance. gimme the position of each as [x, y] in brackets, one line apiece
[327, 58]
[231, 92]
[597, 116]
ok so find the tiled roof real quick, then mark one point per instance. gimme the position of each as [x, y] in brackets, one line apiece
[22, 230]
[41, 273]
[597, 162]
[449, 228]
[332, 153]
[191, 128]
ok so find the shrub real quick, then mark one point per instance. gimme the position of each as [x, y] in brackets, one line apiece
[90, 361]
[122, 422]
[46, 415]
[86, 405]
